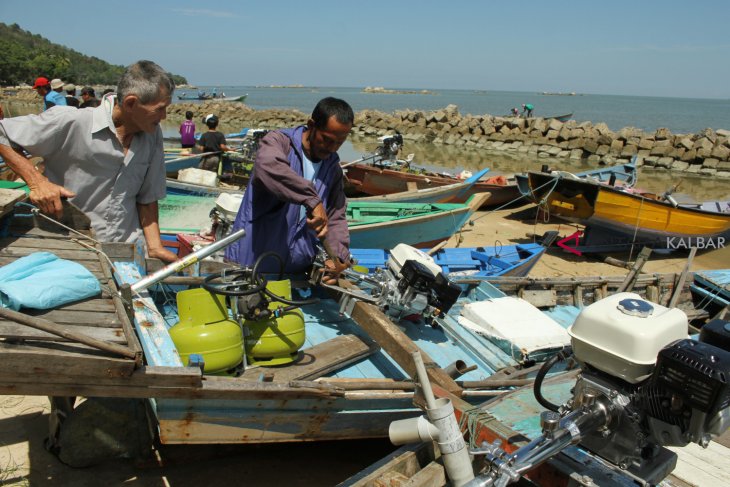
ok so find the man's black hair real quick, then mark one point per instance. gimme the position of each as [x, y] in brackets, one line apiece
[189, 115]
[330, 106]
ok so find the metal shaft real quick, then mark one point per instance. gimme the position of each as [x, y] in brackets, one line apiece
[186, 261]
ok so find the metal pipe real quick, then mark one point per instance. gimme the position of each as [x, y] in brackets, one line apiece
[458, 368]
[186, 261]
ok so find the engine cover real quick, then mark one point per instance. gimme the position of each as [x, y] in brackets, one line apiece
[623, 334]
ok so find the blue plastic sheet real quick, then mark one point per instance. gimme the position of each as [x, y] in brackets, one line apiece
[41, 280]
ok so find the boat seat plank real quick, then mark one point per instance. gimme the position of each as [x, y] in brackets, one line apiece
[76, 255]
[43, 243]
[319, 360]
[12, 330]
[49, 360]
[90, 319]
[8, 198]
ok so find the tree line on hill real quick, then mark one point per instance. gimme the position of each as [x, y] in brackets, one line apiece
[24, 56]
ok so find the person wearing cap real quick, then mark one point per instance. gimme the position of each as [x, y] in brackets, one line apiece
[88, 95]
[108, 161]
[212, 141]
[50, 97]
[71, 99]
[295, 198]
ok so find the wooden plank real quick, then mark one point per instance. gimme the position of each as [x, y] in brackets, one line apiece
[8, 198]
[73, 317]
[432, 475]
[144, 376]
[75, 255]
[64, 331]
[703, 467]
[682, 277]
[540, 298]
[231, 389]
[396, 343]
[15, 331]
[630, 280]
[46, 242]
[53, 359]
[319, 360]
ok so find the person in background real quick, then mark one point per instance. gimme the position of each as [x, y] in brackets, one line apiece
[527, 110]
[50, 97]
[88, 95]
[296, 195]
[187, 131]
[514, 112]
[107, 91]
[88, 159]
[71, 99]
[212, 141]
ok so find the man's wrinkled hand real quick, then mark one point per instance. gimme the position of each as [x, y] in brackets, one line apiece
[47, 197]
[317, 221]
[332, 270]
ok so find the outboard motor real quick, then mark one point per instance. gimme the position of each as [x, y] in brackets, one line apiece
[644, 385]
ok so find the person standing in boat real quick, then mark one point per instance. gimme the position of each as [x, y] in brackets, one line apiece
[187, 131]
[527, 110]
[296, 195]
[108, 160]
[212, 141]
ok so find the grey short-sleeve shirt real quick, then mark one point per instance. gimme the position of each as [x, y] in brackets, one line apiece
[82, 153]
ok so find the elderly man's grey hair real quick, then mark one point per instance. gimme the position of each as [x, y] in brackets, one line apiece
[146, 80]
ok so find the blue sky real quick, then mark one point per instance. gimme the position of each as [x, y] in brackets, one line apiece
[653, 48]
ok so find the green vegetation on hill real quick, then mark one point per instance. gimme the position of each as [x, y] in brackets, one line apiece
[25, 56]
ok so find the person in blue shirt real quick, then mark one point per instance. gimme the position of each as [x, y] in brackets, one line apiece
[50, 98]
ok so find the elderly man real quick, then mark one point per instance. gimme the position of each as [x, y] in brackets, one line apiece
[296, 195]
[51, 98]
[107, 160]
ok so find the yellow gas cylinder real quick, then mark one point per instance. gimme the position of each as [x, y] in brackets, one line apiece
[205, 329]
[275, 341]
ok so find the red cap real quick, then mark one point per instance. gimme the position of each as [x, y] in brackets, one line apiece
[40, 82]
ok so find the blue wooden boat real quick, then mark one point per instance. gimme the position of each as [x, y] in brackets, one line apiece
[510, 260]
[624, 175]
[377, 224]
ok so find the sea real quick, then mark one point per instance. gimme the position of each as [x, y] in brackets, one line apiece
[680, 115]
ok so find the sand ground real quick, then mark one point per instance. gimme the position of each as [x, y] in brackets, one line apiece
[23, 419]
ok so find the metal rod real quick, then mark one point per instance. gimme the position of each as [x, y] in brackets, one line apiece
[186, 261]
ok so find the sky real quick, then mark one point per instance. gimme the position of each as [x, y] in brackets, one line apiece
[639, 47]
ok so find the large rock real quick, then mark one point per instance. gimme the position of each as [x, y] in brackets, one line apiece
[720, 152]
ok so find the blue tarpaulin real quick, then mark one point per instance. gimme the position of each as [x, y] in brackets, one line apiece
[42, 280]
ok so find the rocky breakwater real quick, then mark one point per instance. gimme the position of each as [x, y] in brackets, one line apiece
[704, 153]
[234, 116]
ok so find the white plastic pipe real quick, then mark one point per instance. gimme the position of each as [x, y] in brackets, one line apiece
[412, 430]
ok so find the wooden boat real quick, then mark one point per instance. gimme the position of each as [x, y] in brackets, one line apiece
[440, 194]
[624, 175]
[385, 225]
[370, 224]
[362, 363]
[367, 179]
[510, 260]
[175, 161]
[616, 219]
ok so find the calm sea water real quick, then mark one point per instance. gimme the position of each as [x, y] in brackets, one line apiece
[680, 115]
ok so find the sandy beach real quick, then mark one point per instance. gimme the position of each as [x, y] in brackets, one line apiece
[23, 419]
